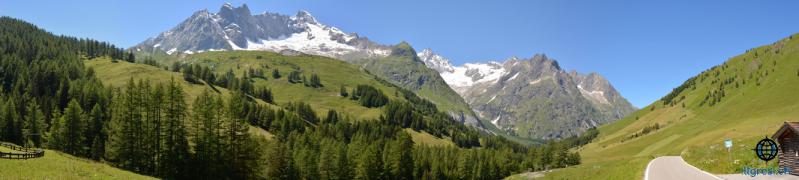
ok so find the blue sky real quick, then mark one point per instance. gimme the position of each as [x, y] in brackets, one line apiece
[644, 48]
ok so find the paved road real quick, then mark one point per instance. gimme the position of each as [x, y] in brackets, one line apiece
[674, 168]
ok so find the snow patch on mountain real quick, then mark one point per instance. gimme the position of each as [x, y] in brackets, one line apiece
[496, 121]
[316, 39]
[474, 73]
[537, 81]
[171, 51]
[513, 77]
[596, 95]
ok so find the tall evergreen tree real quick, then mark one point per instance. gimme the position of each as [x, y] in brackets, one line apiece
[276, 74]
[343, 92]
[207, 112]
[52, 136]
[97, 132]
[34, 125]
[10, 116]
[124, 144]
[174, 164]
[369, 163]
[278, 164]
[72, 129]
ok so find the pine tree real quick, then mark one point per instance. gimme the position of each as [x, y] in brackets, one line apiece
[342, 166]
[369, 163]
[332, 117]
[330, 165]
[207, 112]
[241, 149]
[294, 77]
[54, 140]
[343, 91]
[153, 126]
[276, 74]
[10, 116]
[34, 125]
[278, 164]
[315, 82]
[401, 161]
[176, 151]
[72, 129]
[96, 132]
[125, 144]
[265, 94]
[131, 57]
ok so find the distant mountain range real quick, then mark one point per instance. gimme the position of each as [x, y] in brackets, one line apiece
[235, 28]
[530, 98]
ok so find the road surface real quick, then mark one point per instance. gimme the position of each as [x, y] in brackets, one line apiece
[674, 168]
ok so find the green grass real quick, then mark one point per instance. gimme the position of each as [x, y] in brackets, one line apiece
[424, 138]
[118, 74]
[57, 165]
[745, 114]
[333, 74]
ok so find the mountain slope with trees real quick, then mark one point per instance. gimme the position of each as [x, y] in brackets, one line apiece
[744, 99]
[236, 28]
[164, 128]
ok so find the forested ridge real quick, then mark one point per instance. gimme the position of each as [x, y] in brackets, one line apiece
[49, 99]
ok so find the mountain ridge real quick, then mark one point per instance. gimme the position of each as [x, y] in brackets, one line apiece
[235, 28]
[533, 97]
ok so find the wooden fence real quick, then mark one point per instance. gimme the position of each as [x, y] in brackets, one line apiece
[27, 153]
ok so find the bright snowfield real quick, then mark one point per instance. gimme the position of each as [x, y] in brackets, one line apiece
[317, 39]
[490, 72]
[462, 77]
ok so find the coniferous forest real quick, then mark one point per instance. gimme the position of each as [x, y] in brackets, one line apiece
[49, 99]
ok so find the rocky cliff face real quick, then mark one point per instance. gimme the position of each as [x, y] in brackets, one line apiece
[533, 98]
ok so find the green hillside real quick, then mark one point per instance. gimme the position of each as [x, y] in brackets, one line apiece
[405, 69]
[119, 73]
[744, 99]
[333, 75]
[58, 165]
[85, 98]
[416, 76]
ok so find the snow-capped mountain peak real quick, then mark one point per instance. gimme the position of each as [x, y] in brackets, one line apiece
[510, 92]
[227, 5]
[305, 16]
[235, 28]
[435, 61]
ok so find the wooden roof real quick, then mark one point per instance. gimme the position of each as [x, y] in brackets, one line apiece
[792, 126]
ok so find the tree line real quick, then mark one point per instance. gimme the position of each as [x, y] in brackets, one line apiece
[53, 101]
